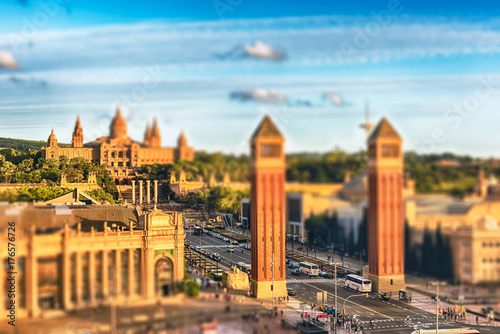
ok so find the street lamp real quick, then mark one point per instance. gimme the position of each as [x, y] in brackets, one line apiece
[437, 284]
[336, 309]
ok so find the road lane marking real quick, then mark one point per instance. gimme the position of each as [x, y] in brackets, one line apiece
[352, 302]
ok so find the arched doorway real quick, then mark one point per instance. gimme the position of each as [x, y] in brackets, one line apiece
[164, 270]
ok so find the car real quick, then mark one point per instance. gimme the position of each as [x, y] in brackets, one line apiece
[291, 292]
[325, 308]
[230, 249]
[383, 296]
[295, 272]
[327, 275]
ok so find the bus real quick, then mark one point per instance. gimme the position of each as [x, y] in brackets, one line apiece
[358, 283]
[309, 269]
[447, 331]
[245, 267]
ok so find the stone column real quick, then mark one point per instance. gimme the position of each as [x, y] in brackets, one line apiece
[140, 192]
[118, 272]
[78, 276]
[66, 279]
[156, 191]
[31, 279]
[105, 275]
[148, 186]
[3, 278]
[131, 276]
[92, 290]
[133, 191]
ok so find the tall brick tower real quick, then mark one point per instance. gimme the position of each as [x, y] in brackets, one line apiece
[267, 211]
[385, 209]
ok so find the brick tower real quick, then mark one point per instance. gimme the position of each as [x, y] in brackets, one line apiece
[267, 207]
[385, 209]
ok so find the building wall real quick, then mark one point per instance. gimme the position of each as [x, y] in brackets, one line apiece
[80, 267]
[476, 255]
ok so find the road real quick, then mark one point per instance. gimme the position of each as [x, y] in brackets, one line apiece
[388, 316]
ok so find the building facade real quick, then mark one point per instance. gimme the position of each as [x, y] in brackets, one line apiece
[267, 211]
[118, 152]
[476, 252]
[385, 209]
[82, 256]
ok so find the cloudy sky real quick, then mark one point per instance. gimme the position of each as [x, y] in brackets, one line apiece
[214, 68]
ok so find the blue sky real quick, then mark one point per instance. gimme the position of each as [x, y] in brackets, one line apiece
[431, 68]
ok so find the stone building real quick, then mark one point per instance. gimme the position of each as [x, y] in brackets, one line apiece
[82, 256]
[476, 252]
[120, 153]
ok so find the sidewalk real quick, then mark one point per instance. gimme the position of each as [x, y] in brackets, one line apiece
[422, 298]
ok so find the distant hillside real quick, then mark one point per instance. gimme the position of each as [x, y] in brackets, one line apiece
[25, 145]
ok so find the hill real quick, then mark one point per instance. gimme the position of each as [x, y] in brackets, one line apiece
[25, 145]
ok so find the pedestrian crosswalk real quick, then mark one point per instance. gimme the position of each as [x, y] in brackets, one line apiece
[310, 280]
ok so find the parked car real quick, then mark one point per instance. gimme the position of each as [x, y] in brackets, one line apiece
[295, 272]
[291, 292]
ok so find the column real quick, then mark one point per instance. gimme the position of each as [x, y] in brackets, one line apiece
[66, 279]
[32, 285]
[3, 278]
[105, 275]
[92, 291]
[131, 274]
[118, 272]
[148, 185]
[133, 191]
[156, 191]
[78, 276]
[31, 279]
[140, 192]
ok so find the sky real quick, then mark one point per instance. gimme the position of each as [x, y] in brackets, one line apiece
[214, 68]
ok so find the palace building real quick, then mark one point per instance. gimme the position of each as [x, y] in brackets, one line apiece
[121, 154]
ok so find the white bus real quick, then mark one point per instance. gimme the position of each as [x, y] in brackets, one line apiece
[447, 331]
[245, 267]
[309, 269]
[358, 283]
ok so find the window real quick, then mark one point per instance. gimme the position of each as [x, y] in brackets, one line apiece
[120, 154]
[390, 151]
[372, 151]
[112, 154]
[270, 150]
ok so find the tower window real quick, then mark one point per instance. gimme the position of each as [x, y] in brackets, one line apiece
[372, 153]
[390, 151]
[270, 150]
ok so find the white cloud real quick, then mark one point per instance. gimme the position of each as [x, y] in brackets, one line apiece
[334, 98]
[7, 60]
[263, 51]
[259, 95]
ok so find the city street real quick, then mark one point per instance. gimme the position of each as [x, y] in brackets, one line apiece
[388, 316]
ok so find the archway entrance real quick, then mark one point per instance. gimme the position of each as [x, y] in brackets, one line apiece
[164, 270]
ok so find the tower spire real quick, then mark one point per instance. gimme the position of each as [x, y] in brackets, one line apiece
[77, 140]
[367, 126]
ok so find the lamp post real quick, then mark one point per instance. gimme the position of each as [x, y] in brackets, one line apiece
[335, 282]
[437, 284]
